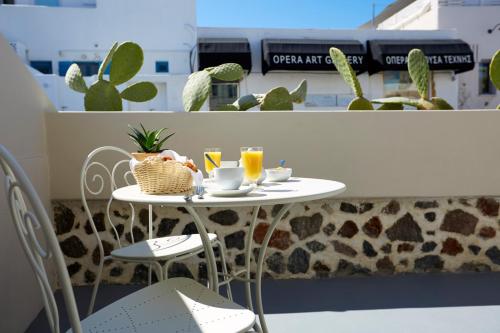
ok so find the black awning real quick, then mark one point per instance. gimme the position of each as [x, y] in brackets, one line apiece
[446, 54]
[216, 51]
[308, 55]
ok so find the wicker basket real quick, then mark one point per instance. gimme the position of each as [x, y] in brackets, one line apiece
[156, 176]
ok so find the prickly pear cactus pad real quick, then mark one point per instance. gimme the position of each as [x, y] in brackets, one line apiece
[277, 99]
[74, 79]
[227, 72]
[299, 94]
[495, 70]
[418, 68]
[140, 92]
[126, 62]
[441, 104]
[344, 68]
[196, 91]
[360, 104]
[103, 96]
[246, 102]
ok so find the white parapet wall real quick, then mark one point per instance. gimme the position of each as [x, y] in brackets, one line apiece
[377, 154]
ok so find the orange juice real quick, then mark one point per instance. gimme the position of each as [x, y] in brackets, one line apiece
[216, 157]
[252, 162]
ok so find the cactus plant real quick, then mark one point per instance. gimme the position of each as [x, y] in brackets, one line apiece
[199, 84]
[276, 99]
[125, 61]
[344, 68]
[418, 68]
[495, 71]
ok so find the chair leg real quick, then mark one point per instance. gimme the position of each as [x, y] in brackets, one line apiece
[95, 288]
[166, 267]
[222, 254]
[158, 270]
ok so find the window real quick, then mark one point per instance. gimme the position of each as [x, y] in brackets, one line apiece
[485, 85]
[7, 2]
[223, 93]
[88, 68]
[398, 84]
[44, 67]
[162, 67]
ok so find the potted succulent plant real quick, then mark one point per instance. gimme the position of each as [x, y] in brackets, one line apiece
[150, 142]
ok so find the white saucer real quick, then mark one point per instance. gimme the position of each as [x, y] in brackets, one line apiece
[242, 191]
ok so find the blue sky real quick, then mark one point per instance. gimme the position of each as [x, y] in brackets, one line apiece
[339, 14]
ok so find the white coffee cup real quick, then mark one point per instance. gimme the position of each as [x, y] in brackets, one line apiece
[228, 164]
[228, 178]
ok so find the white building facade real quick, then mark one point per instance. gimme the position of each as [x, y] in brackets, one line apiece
[51, 34]
[477, 22]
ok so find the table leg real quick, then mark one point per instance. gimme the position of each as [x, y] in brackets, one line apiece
[150, 231]
[260, 263]
[209, 251]
[248, 257]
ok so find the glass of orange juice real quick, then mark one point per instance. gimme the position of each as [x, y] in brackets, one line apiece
[252, 158]
[216, 156]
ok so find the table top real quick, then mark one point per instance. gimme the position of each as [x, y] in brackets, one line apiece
[269, 193]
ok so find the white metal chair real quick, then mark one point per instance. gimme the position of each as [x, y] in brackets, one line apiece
[149, 252]
[174, 305]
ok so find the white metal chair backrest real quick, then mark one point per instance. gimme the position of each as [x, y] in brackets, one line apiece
[98, 180]
[29, 215]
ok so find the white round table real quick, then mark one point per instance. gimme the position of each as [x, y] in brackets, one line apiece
[287, 193]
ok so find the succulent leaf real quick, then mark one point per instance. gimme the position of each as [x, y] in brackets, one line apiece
[148, 141]
[74, 79]
[103, 96]
[126, 62]
[140, 92]
[391, 106]
[246, 102]
[344, 68]
[495, 70]
[196, 91]
[299, 94]
[418, 69]
[107, 60]
[360, 104]
[441, 104]
[397, 100]
[277, 99]
[226, 72]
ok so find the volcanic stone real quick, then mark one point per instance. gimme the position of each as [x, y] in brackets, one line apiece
[430, 216]
[464, 202]
[471, 267]
[488, 206]
[346, 268]
[166, 227]
[494, 254]
[348, 208]
[225, 217]
[236, 240]
[459, 222]
[306, 226]
[365, 207]
[96, 256]
[368, 250]
[178, 269]
[276, 209]
[344, 249]
[99, 223]
[74, 268]
[138, 235]
[452, 247]
[240, 259]
[73, 247]
[117, 213]
[64, 219]
[329, 229]
[387, 248]
[430, 263]
[120, 228]
[298, 262]
[322, 270]
[190, 229]
[373, 227]
[262, 214]
[279, 240]
[474, 249]
[405, 229]
[182, 210]
[385, 265]
[89, 276]
[392, 208]
[327, 208]
[144, 217]
[116, 271]
[487, 232]
[276, 263]
[348, 230]
[428, 246]
[140, 275]
[426, 204]
[405, 247]
[315, 246]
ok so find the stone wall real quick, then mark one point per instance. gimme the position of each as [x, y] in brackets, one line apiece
[319, 239]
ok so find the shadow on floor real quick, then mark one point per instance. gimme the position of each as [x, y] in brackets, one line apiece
[337, 295]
